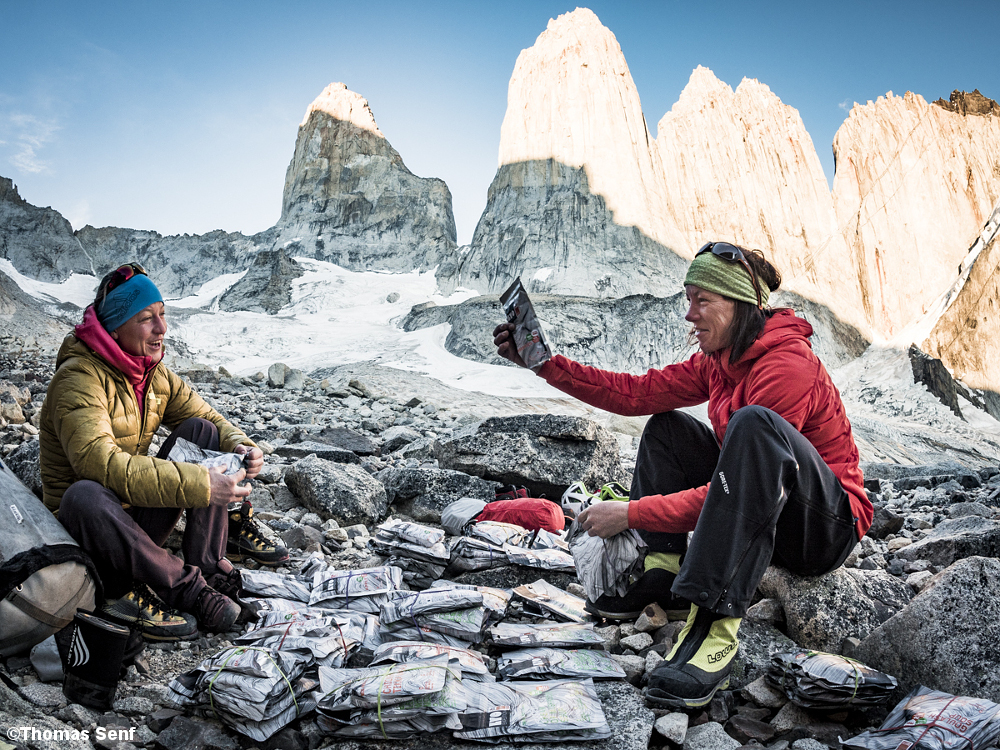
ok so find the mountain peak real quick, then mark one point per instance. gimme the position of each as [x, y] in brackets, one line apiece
[341, 103]
[703, 86]
[576, 18]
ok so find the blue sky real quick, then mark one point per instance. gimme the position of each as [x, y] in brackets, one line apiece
[181, 117]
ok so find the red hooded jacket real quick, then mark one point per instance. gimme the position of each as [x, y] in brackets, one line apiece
[779, 371]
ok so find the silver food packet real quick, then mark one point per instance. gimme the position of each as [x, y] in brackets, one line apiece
[184, 451]
[528, 337]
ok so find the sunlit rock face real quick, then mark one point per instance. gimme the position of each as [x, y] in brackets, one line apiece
[740, 166]
[966, 335]
[577, 203]
[914, 185]
[350, 200]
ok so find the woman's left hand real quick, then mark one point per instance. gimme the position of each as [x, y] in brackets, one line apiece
[254, 461]
[605, 519]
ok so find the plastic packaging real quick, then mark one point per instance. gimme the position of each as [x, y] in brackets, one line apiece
[528, 336]
[545, 663]
[560, 635]
[814, 679]
[606, 565]
[931, 720]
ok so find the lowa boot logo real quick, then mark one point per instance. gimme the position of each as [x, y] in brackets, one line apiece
[78, 652]
[720, 655]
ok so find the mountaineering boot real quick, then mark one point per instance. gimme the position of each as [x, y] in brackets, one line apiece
[699, 664]
[247, 539]
[231, 584]
[142, 609]
[653, 586]
[216, 612]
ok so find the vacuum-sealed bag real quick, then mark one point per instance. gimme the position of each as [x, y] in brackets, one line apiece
[528, 337]
[545, 663]
[814, 679]
[931, 720]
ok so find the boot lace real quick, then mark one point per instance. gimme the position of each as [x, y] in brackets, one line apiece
[151, 607]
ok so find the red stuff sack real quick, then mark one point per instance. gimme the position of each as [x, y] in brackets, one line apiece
[531, 513]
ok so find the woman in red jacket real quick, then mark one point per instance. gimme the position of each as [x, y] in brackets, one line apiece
[775, 479]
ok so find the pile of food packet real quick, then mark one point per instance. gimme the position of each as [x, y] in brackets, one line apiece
[814, 679]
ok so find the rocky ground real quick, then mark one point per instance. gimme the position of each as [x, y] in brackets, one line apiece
[350, 446]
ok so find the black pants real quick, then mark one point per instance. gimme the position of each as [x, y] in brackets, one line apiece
[126, 544]
[771, 498]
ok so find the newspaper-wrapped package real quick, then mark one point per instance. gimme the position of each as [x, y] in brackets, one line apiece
[414, 533]
[528, 336]
[813, 679]
[413, 540]
[391, 701]
[545, 663]
[545, 539]
[384, 686]
[495, 600]
[557, 635]
[606, 566]
[407, 605]
[469, 553]
[281, 612]
[423, 714]
[550, 711]
[363, 590]
[403, 652]
[312, 564]
[253, 690]
[266, 606]
[184, 451]
[931, 720]
[499, 533]
[329, 639]
[402, 632]
[545, 559]
[464, 624]
[270, 584]
[547, 597]
[417, 574]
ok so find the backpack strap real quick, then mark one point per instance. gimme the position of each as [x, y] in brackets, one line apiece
[29, 608]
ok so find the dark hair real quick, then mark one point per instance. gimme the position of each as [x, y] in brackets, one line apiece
[748, 319]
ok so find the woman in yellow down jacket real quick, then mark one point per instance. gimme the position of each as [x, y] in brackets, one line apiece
[109, 395]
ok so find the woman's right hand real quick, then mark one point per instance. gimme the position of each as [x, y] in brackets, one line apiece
[503, 337]
[226, 488]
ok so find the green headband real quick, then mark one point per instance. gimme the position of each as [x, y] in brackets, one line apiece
[728, 278]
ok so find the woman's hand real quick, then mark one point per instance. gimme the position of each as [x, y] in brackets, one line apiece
[254, 460]
[605, 519]
[503, 337]
[226, 488]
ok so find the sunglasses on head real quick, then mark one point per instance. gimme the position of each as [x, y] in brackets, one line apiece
[122, 274]
[733, 254]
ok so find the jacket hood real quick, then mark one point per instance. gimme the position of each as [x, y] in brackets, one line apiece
[781, 329]
[98, 340]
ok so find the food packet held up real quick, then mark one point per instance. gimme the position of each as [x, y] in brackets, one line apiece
[528, 336]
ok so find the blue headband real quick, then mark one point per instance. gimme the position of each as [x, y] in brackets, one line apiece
[126, 300]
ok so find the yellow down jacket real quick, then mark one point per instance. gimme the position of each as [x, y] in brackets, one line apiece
[92, 428]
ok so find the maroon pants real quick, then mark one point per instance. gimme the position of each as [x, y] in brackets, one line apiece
[126, 544]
